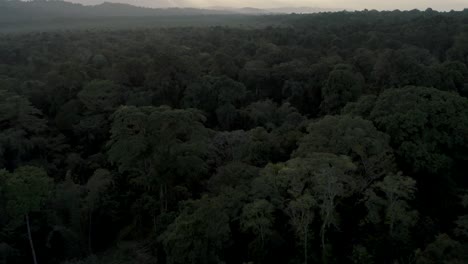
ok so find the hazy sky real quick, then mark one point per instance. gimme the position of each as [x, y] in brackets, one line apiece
[354, 4]
[350, 4]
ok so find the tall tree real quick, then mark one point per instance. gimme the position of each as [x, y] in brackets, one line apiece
[354, 137]
[22, 130]
[258, 217]
[26, 190]
[101, 96]
[392, 207]
[96, 186]
[343, 86]
[199, 234]
[301, 211]
[160, 147]
[427, 126]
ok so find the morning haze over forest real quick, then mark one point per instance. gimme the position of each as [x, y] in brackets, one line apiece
[234, 132]
[268, 4]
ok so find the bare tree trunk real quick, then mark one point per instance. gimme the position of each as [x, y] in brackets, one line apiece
[33, 251]
[323, 231]
[90, 231]
[161, 198]
[305, 243]
[165, 197]
[262, 237]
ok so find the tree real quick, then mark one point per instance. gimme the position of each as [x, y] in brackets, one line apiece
[170, 74]
[360, 255]
[353, 137]
[301, 212]
[213, 92]
[96, 186]
[449, 76]
[101, 96]
[462, 222]
[254, 147]
[269, 115]
[427, 126]
[26, 190]
[459, 51]
[343, 86]
[388, 204]
[160, 147]
[401, 67]
[362, 107]
[130, 71]
[232, 175]
[262, 113]
[326, 177]
[443, 250]
[258, 217]
[218, 97]
[329, 178]
[364, 61]
[22, 128]
[198, 234]
[331, 184]
[69, 115]
[66, 215]
[228, 116]
[254, 75]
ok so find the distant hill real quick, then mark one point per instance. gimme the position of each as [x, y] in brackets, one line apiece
[16, 15]
[19, 16]
[33, 10]
[142, 3]
[244, 10]
[304, 10]
[279, 10]
[40, 9]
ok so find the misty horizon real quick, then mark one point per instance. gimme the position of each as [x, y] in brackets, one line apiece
[265, 4]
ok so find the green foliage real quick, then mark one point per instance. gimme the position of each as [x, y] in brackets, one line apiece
[198, 234]
[443, 250]
[427, 126]
[361, 256]
[343, 86]
[462, 222]
[232, 175]
[450, 76]
[21, 127]
[317, 182]
[459, 50]
[160, 142]
[213, 92]
[387, 204]
[269, 115]
[257, 217]
[401, 67]
[362, 107]
[275, 141]
[354, 137]
[254, 147]
[26, 190]
[218, 97]
[100, 96]
[96, 185]
[301, 212]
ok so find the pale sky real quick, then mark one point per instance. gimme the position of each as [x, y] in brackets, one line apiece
[354, 4]
[345, 4]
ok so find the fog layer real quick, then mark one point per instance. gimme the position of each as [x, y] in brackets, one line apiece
[345, 4]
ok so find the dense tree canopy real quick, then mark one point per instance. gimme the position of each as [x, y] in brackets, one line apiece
[324, 138]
